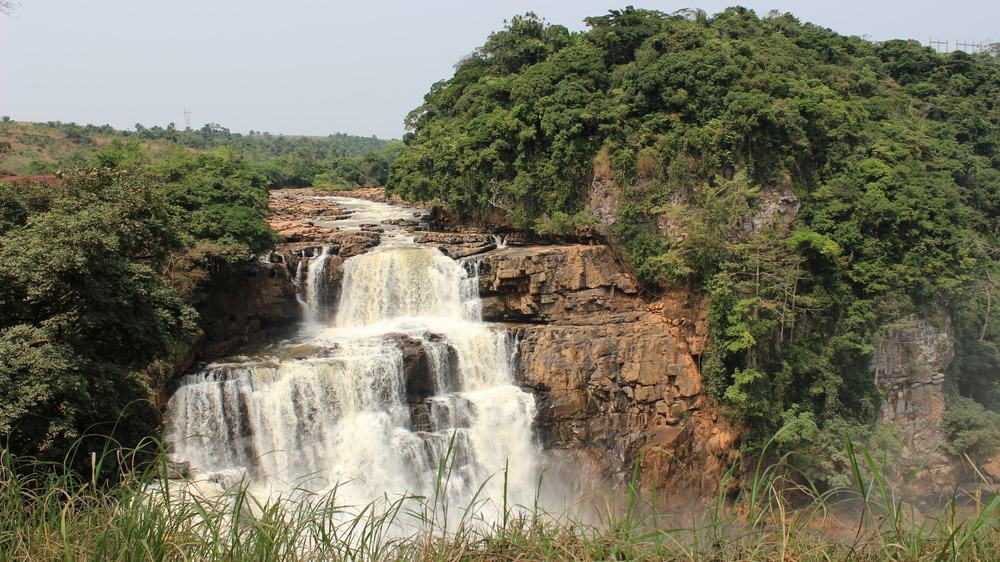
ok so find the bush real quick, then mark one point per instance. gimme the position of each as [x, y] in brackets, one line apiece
[971, 429]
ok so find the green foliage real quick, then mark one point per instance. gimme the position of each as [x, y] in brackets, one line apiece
[371, 169]
[636, 234]
[220, 198]
[337, 160]
[98, 275]
[561, 223]
[821, 455]
[973, 372]
[521, 112]
[971, 429]
[13, 211]
[118, 153]
[83, 310]
[705, 125]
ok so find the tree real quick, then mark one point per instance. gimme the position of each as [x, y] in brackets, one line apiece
[82, 311]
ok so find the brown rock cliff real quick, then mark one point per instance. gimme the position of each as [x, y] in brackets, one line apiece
[616, 372]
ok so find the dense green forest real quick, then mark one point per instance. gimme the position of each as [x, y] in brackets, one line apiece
[335, 161]
[700, 122]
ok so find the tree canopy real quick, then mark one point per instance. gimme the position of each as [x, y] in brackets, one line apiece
[83, 309]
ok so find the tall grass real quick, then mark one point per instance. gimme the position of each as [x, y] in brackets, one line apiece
[47, 512]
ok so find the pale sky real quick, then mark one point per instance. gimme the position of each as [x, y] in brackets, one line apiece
[317, 67]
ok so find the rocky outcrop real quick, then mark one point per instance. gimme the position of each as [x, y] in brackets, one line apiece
[244, 306]
[547, 283]
[603, 193]
[909, 363]
[457, 245]
[775, 206]
[615, 371]
[605, 198]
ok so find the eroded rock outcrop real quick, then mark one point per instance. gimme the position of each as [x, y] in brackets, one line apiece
[244, 306]
[909, 363]
[457, 245]
[616, 372]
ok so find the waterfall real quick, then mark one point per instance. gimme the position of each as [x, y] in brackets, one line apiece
[406, 377]
[395, 282]
[309, 280]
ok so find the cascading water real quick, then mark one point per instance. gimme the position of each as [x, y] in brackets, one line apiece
[406, 379]
[313, 285]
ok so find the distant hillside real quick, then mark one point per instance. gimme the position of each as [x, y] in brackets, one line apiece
[337, 160]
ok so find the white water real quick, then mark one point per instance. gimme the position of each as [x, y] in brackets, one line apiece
[314, 278]
[343, 412]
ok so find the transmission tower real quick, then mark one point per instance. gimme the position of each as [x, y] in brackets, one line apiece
[938, 45]
[947, 46]
[187, 117]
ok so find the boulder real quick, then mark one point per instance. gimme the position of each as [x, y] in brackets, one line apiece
[429, 363]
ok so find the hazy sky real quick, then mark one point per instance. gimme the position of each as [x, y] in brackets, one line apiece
[315, 67]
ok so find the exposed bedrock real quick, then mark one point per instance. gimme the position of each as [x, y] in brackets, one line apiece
[909, 364]
[615, 372]
[244, 306]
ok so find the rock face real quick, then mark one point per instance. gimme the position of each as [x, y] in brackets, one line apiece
[909, 364]
[244, 306]
[615, 372]
[776, 205]
[249, 305]
[604, 195]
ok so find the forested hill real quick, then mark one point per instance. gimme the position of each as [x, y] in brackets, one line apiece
[336, 160]
[696, 128]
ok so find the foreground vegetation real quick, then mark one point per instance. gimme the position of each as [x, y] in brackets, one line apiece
[56, 514]
[692, 131]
